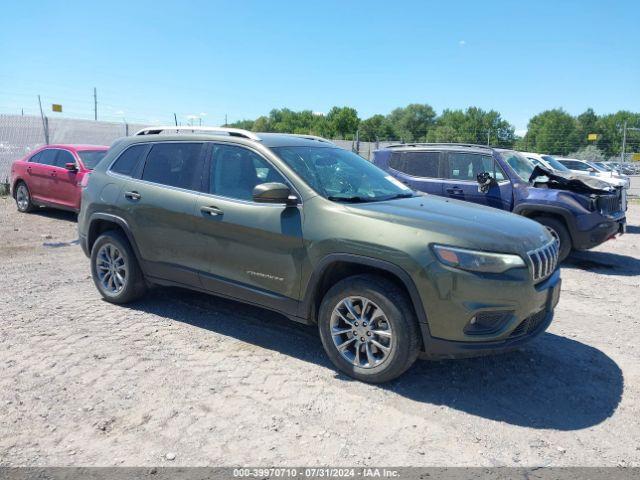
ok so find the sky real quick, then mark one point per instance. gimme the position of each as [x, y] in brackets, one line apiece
[208, 59]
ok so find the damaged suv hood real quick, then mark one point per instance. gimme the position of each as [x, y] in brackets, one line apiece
[569, 181]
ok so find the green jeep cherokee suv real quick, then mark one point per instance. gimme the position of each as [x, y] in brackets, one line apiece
[297, 225]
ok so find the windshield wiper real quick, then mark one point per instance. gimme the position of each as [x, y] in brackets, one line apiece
[353, 199]
[401, 195]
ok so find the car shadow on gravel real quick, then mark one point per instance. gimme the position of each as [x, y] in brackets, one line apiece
[605, 263]
[554, 382]
[56, 214]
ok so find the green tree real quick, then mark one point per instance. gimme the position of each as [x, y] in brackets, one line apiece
[343, 121]
[552, 131]
[375, 128]
[473, 126]
[610, 130]
[412, 122]
[590, 153]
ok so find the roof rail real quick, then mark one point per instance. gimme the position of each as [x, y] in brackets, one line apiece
[397, 145]
[311, 137]
[233, 132]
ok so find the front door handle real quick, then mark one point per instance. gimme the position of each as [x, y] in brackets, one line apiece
[29, 170]
[454, 191]
[132, 195]
[54, 174]
[213, 211]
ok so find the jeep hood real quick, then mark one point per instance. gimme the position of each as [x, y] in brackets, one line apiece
[569, 181]
[458, 223]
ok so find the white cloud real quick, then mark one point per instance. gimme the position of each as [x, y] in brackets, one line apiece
[521, 133]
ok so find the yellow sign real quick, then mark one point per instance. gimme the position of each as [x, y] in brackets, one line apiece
[592, 136]
[636, 157]
[56, 107]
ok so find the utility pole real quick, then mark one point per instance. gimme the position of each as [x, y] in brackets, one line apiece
[624, 141]
[95, 104]
[225, 120]
[44, 123]
[175, 119]
[488, 136]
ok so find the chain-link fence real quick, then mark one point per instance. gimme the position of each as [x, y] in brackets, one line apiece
[20, 134]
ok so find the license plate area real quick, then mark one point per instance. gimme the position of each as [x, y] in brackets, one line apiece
[554, 296]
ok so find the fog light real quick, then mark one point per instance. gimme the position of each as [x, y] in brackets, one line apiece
[483, 323]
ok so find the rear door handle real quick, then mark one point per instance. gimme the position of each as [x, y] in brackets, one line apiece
[454, 191]
[213, 211]
[54, 174]
[29, 170]
[132, 195]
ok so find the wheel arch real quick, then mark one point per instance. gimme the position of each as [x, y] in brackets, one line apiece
[335, 267]
[102, 222]
[532, 211]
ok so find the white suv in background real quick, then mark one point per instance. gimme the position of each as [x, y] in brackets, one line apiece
[589, 168]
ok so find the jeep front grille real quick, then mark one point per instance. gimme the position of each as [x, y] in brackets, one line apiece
[610, 203]
[544, 260]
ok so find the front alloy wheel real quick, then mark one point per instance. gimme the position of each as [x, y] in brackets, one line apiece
[361, 332]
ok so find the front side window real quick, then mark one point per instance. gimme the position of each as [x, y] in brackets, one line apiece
[175, 164]
[91, 158]
[235, 171]
[63, 158]
[416, 164]
[128, 160]
[555, 164]
[340, 175]
[467, 166]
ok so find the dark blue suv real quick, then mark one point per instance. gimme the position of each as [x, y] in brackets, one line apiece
[580, 211]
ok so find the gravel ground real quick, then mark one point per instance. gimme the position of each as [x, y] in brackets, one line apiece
[187, 379]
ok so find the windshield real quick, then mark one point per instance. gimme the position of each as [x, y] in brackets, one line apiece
[555, 164]
[341, 175]
[521, 165]
[598, 167]
[91, 158]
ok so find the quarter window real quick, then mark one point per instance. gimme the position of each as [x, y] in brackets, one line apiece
[175, 165]
[416, 164]
[128, 160]
[235, 171]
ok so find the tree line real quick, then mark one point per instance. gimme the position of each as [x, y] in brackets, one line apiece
[552, 131]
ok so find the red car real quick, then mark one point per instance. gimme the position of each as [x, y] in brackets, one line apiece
[52, 176]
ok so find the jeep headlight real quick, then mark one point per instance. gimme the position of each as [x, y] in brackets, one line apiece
[477, 261]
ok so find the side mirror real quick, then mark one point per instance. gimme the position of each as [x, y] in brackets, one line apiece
[71, 166]
[273, 193]
[485, 180]
[591, 169]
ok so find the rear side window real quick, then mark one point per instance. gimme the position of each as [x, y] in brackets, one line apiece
[416, 164]
[63, 158]
[128, 160]
[175, 164]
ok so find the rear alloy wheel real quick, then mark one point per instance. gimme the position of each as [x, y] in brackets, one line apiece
[23, 198]
[368, 328]
[115, 269]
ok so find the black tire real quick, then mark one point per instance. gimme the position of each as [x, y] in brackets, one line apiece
[133, 287]
[396, 306]
[23, 206]
[558, 230]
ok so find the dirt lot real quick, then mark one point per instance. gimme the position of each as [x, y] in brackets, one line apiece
[186, 379]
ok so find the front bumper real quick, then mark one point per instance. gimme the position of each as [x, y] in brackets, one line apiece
[584, 240]
[526, 308]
